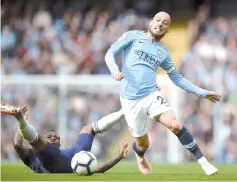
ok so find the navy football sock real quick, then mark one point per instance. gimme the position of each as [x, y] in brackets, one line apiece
[187, 140]
[138, 152]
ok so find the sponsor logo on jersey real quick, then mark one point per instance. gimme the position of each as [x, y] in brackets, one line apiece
[148, 58]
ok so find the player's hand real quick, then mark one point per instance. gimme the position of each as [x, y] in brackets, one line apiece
[213, 96]
[123, 150]
[118, 76]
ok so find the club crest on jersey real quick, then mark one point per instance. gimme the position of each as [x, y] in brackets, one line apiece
[159, 53]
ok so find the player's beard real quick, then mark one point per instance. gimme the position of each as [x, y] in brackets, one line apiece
[156, 37]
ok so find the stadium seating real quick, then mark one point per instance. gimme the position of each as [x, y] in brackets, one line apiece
[40, 42]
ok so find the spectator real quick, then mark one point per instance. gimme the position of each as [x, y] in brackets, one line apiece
[67, 40]
[211, 63]
[71, 37]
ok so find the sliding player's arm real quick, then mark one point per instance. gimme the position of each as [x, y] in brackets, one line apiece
[124, 41]
[26, 154]
[123, 150]
[183, 83]
[20, 149]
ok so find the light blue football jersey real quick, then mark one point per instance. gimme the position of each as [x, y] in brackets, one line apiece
[140, 61]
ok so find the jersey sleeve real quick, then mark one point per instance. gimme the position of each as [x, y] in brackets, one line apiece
[179, 80]
[124, 41]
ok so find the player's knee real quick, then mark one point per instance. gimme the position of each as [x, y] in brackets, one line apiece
[87, 129]
[175, 126]
[40, 144]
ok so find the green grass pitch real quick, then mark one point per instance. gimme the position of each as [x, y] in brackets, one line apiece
[125, 171]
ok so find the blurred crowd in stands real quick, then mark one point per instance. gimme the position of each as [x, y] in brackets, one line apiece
[47, 38]
[211, 63]
[59, 37]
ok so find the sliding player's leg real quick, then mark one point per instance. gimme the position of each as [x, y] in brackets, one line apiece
[85, 138]
[135, 114]
[107, 122]
[84, 141]
[87, 133]
[27, 131]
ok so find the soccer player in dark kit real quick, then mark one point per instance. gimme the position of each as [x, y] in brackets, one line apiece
[45, 156]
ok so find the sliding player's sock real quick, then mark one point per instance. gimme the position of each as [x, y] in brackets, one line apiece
[187, 140]
[29, 133]
[21, 121]
[107, 122]
[26, 130]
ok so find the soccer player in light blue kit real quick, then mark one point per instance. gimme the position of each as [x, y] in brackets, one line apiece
[140, 96]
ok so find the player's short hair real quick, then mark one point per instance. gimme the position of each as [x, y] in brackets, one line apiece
[50, 130]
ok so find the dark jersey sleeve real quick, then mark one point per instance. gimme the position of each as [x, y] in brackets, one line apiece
[33, 162]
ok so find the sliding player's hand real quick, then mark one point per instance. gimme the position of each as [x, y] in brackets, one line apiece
[213, 96]
[123, 150]
[118, 76]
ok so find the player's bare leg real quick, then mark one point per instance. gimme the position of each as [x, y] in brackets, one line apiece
[140, 147]
[27, 131]
[168, 119]
[88, 129]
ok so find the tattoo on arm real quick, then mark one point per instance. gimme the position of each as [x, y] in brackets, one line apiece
[108, 165]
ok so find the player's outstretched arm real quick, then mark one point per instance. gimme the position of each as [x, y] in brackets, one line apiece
[124, 41]
[183, 83]
[189, 87]
[123, 150]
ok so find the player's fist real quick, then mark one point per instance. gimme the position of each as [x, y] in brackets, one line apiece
[213, 96]
[118, 76]
[123, 150]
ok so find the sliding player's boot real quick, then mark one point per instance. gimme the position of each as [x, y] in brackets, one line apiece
[207, 167]
[144, 165]
[12, 110]
[9, 109]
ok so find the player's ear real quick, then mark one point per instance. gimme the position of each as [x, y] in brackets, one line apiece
[150, 23]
